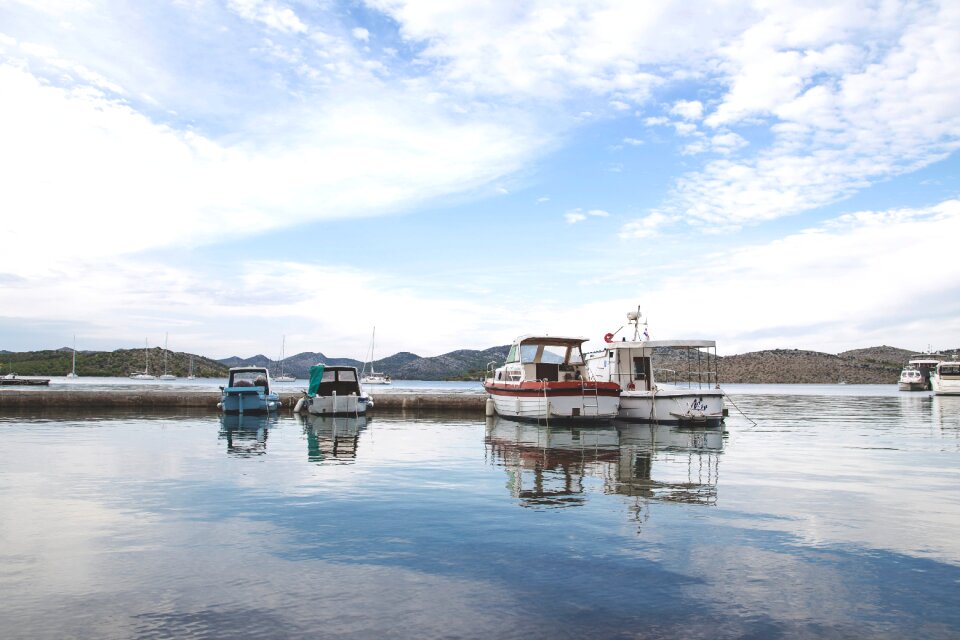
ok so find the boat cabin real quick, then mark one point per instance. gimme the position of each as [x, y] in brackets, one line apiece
[554, 359]
[340, 380]
[640, 365]
[249, 377]
[949, 370]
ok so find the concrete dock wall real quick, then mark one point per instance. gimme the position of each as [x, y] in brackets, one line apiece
[59, 400]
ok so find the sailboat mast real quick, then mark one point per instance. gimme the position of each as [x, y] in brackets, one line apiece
[73, 371]
[373, 342]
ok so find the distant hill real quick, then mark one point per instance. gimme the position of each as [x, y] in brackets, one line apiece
[122, 362]
[873, 365]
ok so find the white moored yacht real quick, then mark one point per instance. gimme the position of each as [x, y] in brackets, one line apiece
[662, 381]
[545, 378]
[945, 380]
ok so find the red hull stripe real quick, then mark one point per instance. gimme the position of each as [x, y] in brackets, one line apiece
[532, 389]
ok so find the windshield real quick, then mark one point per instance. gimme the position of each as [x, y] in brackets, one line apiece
[248, 379]
[550, 354]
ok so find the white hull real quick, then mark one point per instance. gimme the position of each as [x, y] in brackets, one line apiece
[912, 386]
[374, 381]
[943, 387]
[338, 405]
[143, 376]
[552, 407]
[684, 406]
[285, 379]
[168, 376]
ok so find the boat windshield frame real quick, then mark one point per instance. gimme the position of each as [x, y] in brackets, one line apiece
[531, 350]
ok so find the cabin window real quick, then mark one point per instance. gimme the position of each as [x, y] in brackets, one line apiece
[329, 376]
[512, 355]
[528, 352]
[347, 376]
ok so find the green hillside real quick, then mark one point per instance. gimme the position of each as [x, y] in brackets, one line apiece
[121, 362]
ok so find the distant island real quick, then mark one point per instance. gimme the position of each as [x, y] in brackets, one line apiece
[873, 365]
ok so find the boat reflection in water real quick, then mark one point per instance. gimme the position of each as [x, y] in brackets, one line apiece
[246, 434]
[558, 466]
[332, 439]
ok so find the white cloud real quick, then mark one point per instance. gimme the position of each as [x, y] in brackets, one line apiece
[849, 282]
[75, 160]
[274, 16]
[635, 142]
[645, 227]
[869, 116]
[556, 51]
[361, 34]
[688, 109]
[579, 215]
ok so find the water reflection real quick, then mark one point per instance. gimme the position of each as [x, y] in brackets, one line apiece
[946, 413]
[552, 466]
[332, 438]
[246, 434]
[669, 463]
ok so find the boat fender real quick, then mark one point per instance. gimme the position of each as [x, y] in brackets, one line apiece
[631, 387]
[299, 406]
[608, 337]
[490, 408]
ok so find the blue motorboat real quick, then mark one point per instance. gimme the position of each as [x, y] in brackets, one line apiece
[248, 390]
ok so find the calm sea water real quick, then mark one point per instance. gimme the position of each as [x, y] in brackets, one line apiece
[835, 515]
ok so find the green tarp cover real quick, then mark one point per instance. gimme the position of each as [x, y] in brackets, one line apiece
[316, 375]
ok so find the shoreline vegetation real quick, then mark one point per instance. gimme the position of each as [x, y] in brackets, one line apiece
[873, 365]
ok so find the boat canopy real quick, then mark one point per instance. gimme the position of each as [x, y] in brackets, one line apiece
[546, 350]
[709, 344]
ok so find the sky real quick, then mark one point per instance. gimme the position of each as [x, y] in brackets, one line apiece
[234, 176]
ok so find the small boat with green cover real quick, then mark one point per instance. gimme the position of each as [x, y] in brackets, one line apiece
[334, 391]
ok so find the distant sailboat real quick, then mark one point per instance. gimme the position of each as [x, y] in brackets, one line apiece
[166, 376]
[190, 375]
[373, 377]
[145, 375]
[73, 370]
[282, 377]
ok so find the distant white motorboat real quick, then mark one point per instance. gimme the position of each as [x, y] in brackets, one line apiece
[373, 377]
[945, 380]
[687, 394]
[165, 375]
[911, 379]
[73, 369]
[284, 377]
[918, 371]
[145, 374]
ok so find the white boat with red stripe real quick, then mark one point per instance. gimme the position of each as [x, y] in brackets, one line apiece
[545, 378]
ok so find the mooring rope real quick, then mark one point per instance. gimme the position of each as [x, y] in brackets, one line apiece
[725, 395]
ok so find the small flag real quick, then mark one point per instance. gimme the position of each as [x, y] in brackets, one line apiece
[646, 336]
